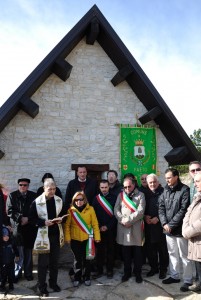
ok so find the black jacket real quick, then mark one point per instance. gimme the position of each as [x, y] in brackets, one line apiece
[19, 207]
[104, 219]
[116, 189]
[10, 251]
[90, 190]
[173, 205]
[2, 209]
[153, 232]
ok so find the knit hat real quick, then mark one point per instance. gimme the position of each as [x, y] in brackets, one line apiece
[5, 231]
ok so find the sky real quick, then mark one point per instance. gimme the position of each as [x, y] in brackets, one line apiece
[163, 36]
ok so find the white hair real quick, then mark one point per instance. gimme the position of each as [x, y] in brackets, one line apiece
[152, 175]
[49, 182]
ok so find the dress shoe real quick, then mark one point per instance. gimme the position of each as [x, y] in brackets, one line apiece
[162, 274]
[138, 278]
[97, 275]
[76, 283]
[44, 293]
[55, 288]
[87, 282]
[2, 288]
[185, 287]
[11, 287]
[125, 277]
[152, 273]
[195, 287]
[170, 280]
[29, 278]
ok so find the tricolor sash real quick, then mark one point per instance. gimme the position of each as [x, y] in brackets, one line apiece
[105, 205]
[90, 248]
[133, 207]
[128, 202]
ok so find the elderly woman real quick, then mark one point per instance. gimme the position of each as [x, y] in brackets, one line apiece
[129, 211]
[191, 230]
[80, 228]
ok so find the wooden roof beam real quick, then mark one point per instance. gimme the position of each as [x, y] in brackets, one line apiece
[150, 115]
[121, 75]
[1, 154]
[176, 155]
[93, 33]
[29, 107]
[62, 69]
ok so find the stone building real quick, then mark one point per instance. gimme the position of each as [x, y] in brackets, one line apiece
[67, 110]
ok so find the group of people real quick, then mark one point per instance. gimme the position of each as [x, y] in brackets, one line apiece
[101, 221]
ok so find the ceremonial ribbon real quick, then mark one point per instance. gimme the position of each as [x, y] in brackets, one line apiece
[105, 205]
[133, 207]
[90, 248]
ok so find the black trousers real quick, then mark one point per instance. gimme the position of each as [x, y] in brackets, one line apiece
[49, 261]
[28, 262]
[82, 266]
[7, 273]
[157, 255]
[132, 253]
[105, 251]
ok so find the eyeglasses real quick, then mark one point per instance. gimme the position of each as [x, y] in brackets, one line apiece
[80, 199]
[143, 178]
[127, 187]
[23, 184]
[195, 170]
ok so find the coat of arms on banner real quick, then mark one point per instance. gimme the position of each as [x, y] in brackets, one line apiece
[138, 150]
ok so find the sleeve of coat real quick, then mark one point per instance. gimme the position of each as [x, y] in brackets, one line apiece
[117, 209]
[69, 195]
[178, 217]
[95, 225]
[67, 224]
[162, 210]
[191, 230]
[12, 209]
[139, 213]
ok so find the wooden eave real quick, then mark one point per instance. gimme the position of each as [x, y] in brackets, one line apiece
[121, 57]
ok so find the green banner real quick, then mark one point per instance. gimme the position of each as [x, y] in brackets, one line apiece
[138, 151]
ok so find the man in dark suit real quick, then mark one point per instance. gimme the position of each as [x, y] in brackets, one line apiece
[81, 183]
[18, 206]
[103, 205]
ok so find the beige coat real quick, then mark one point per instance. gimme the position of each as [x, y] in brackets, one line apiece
[133, 235]
[191, 228]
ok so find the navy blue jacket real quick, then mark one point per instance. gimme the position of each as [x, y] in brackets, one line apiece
[104, 219]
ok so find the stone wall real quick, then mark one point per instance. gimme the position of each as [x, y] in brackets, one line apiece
[77, 123]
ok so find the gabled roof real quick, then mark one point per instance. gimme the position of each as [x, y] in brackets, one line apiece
[95, 27]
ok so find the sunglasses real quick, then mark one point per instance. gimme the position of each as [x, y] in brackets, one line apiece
[195, 170]
[80, 199]
[23, 184]
[127, 187]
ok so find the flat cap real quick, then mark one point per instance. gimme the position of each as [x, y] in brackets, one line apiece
[24, 179]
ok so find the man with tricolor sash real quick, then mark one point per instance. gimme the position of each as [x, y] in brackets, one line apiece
[129, 211]
[104, 207]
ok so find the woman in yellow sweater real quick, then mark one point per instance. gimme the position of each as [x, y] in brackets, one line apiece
[79, 230]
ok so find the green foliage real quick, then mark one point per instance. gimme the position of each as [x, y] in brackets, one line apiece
[196, 139]
[183, 169]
